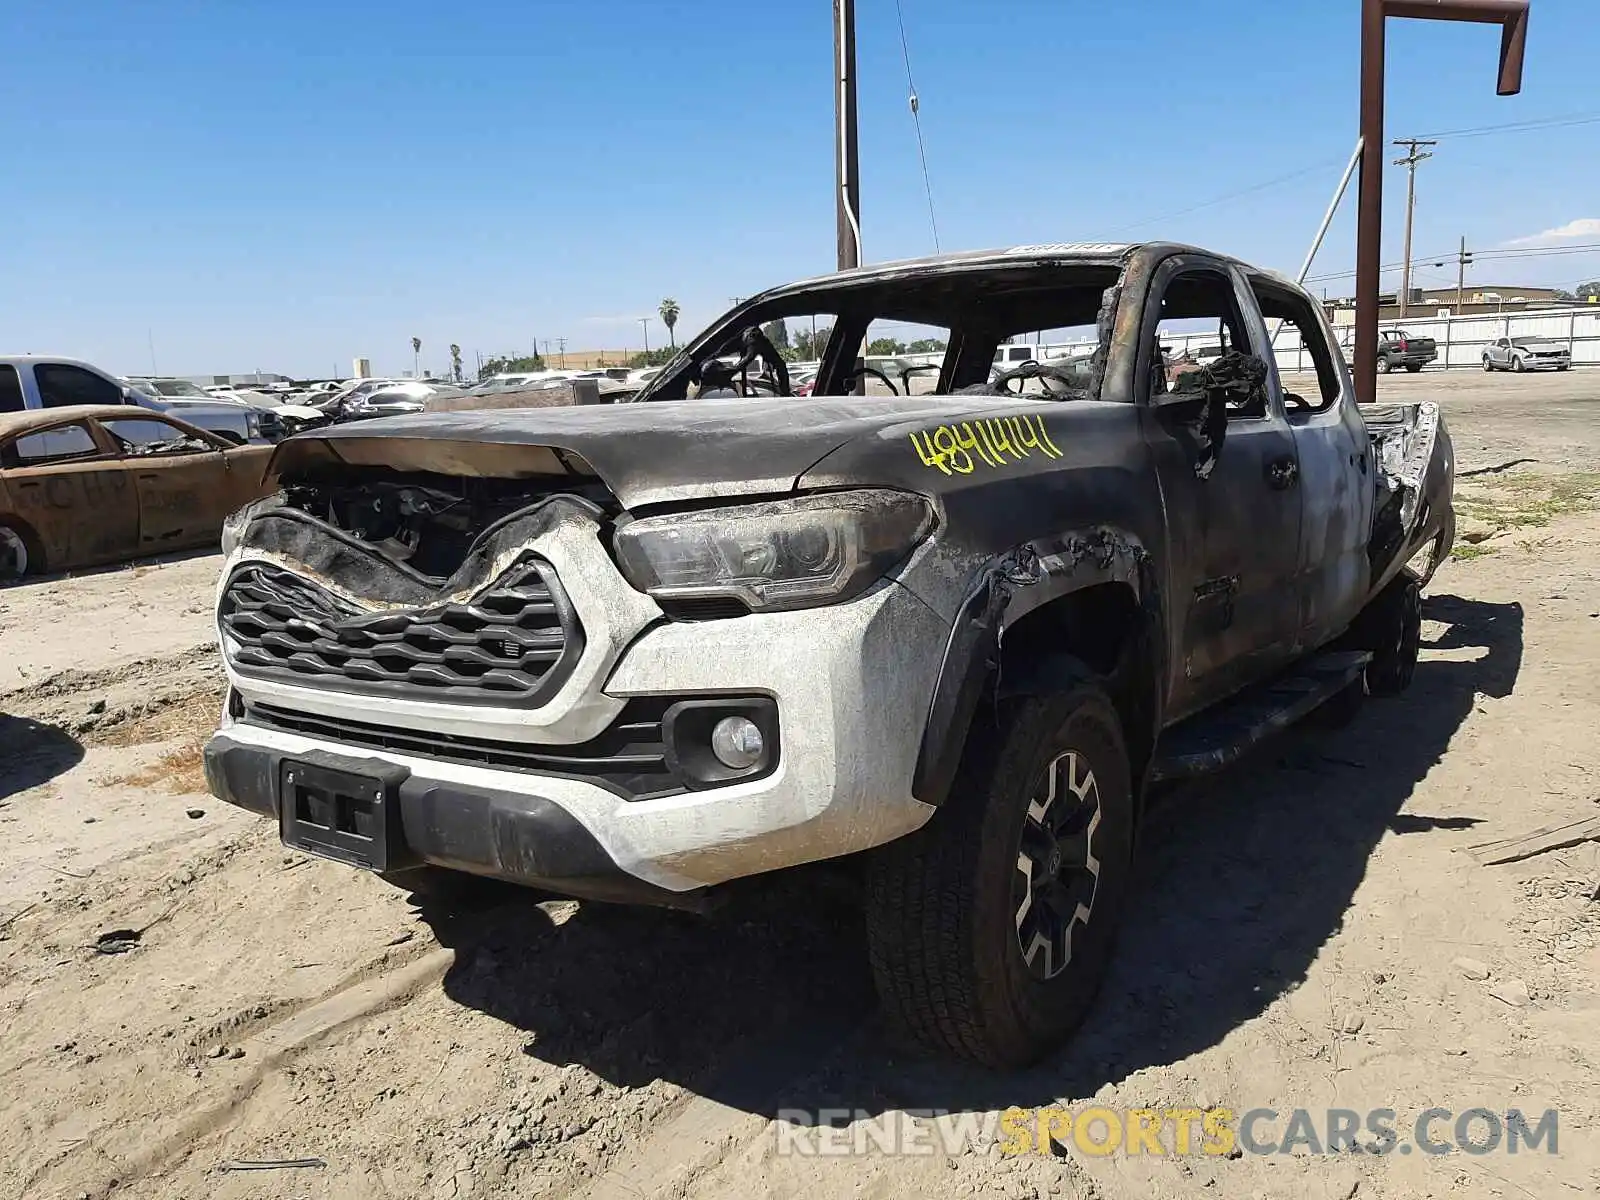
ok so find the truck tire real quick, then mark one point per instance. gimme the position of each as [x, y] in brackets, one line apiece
[1391, 627]
[19, 552]
[1487, 365]
[1413, 367]
[991, 926]
[1385, 365]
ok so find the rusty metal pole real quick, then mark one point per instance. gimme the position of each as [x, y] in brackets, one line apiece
[1369, 219]
[1512, 17]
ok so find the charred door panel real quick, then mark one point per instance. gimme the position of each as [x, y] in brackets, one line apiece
[1336, 515]
[83, 513]
[243, 480]
[1335, 458]
[183, 499]
[182, 477]
[1243, 555]
[1230, 484]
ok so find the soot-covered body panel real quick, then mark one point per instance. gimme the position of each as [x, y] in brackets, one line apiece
[1183, 529]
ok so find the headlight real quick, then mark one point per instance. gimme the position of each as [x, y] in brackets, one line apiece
[252, 424]
[783, 555]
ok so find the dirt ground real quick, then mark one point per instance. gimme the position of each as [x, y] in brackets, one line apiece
[1309, 930]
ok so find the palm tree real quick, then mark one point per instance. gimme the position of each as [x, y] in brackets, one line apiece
[455, 362]
[669, 317]
[416, 351]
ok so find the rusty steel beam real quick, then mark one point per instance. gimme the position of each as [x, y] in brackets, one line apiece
[1512, 16]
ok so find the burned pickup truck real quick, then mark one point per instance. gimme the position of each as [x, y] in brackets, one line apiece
[643, 652]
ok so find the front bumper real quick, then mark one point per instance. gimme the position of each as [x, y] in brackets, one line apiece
[517, 836]
[851, 684]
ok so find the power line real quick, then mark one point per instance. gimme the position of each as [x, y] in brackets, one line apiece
[1534, 251]
[1477, 256]
[1223, 199]
[1583, 118]
[1393, 266]
[916, 120]
[1477, 131]
[1530, 252]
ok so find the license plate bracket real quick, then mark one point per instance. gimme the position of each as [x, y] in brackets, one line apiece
[351, 816]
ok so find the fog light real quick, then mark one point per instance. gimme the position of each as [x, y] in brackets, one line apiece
[737, 743]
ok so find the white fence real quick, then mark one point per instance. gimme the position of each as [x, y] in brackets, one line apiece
[1461, 340]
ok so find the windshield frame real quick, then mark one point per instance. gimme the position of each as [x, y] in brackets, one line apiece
[972, 292]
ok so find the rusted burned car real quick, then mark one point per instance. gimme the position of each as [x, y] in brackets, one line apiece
[85, 485]
[643, 651]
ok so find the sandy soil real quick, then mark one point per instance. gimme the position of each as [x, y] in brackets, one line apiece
[105, 618]
[1308, 932]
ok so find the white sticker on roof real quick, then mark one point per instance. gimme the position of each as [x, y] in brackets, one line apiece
[1072, 248]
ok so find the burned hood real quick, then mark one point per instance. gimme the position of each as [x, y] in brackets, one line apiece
[645, 453]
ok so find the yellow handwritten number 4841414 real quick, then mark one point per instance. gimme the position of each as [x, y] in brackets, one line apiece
[994, 441]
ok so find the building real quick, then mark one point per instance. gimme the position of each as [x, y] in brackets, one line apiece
[1476, 300]
[253, 379]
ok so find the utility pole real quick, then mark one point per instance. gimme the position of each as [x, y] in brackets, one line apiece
[1462, 259]
[847, 155]
[1409, 162]
[645, 321]
[561, 345]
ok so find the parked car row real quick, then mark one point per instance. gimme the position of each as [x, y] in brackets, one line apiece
[1399, 349]
[33, 382]
[97, 469]
[82, 485]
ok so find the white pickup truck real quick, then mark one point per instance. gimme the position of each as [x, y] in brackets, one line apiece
[37, 381]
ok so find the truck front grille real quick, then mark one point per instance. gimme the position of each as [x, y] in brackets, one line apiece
[629, 758]
[512, 644]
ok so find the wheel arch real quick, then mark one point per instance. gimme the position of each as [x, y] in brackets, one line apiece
[1036, 620]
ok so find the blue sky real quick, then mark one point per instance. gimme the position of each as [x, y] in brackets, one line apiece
[283, 185]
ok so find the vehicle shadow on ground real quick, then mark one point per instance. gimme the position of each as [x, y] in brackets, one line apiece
[32, 753]
[769, 1004]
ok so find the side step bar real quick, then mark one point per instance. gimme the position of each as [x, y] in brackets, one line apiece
[1220, 736]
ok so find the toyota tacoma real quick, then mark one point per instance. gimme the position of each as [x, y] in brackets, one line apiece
[641, 652]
